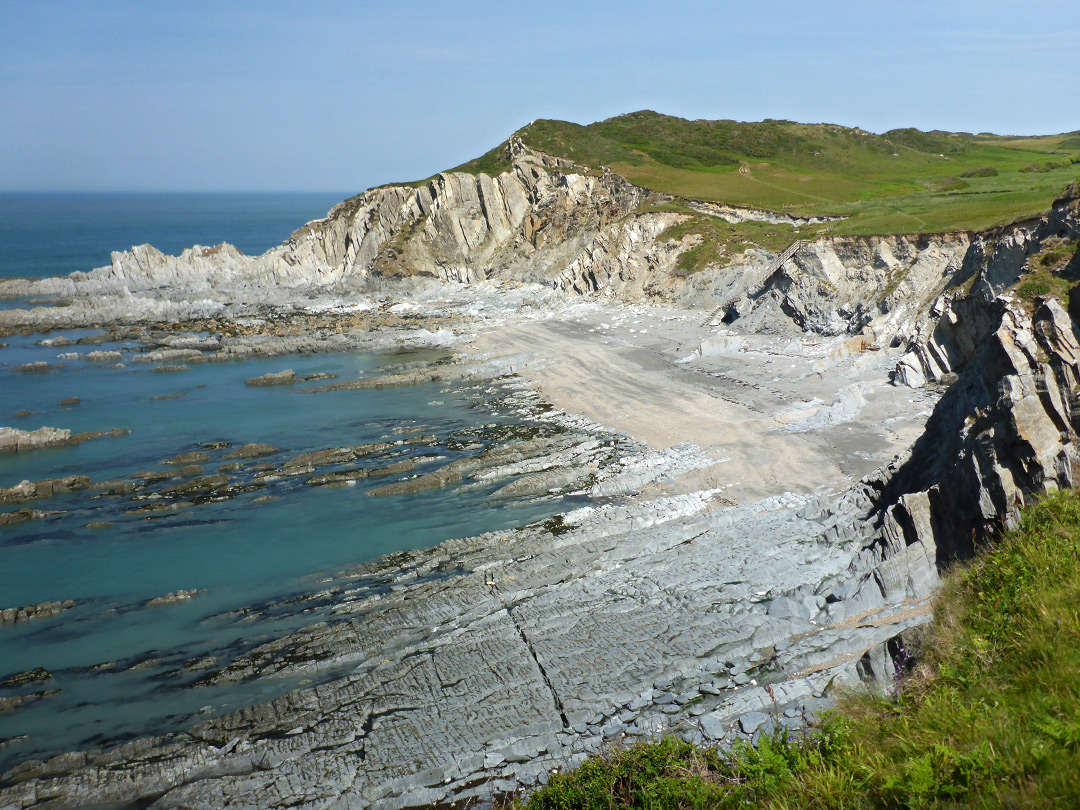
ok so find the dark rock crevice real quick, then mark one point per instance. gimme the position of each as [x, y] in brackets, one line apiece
[540, 666]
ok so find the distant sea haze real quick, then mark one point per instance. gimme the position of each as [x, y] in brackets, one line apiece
[51, 234]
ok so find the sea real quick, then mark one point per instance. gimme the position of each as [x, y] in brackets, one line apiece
[120, 666]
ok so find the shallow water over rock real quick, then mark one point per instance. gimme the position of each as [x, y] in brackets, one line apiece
[176, 568]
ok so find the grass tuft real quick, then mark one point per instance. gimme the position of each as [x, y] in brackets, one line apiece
[1048, 273]
[719, 242]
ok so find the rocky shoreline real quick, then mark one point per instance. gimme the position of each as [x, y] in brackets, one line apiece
[726, 575]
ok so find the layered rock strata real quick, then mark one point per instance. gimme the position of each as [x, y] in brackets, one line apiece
[493, 659]
[489, 660]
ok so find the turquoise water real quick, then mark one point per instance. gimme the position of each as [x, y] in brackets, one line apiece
[238, 552]
[53, 234]
[242, 553]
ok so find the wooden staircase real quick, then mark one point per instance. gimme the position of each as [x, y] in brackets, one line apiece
[770, 271]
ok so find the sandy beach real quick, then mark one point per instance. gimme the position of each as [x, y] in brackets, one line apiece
[762, 408]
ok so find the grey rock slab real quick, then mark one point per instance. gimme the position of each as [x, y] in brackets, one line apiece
[750, 721]
[784, 607]
[612, 730]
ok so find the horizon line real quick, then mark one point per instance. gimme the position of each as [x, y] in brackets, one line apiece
[169, 191]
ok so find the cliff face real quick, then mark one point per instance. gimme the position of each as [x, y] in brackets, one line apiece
[545, 222]
[948, 333]
[1007, 429]
[528, 224]
[1004, 431]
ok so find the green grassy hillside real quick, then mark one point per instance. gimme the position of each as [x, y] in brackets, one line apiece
[989, 718]
[902, 181]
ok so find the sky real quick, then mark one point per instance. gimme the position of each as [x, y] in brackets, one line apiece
[340, 96]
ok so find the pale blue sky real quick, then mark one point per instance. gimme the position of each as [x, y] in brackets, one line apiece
[116, 95]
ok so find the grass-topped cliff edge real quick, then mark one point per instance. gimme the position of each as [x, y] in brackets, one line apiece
[988, 718]
[901, 181]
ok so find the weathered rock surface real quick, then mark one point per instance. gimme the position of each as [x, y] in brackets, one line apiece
[1005, 430]
[30, 676]
[305, 463]
[286, 377]
[251, 451]
[39, 611]
[205, 483]
[194, 457]
[22, 515]
[35, 490]
[536, 646]
[358, 474]
[661, 616]
[173, 598]
[13, 440]
[480, 664]
[8, 704]
[950, 331]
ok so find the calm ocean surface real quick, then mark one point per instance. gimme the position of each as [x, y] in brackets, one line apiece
[53, 234]
[118, 663]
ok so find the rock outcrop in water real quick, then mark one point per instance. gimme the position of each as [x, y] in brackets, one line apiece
[13, 440]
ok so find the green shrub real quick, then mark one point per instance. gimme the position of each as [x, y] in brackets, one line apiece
[1028, 290]
[947, 184]
[1055, 254]
[1048, 166]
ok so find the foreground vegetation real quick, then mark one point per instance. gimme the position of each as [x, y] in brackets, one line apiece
[990, 716]
[1051, 272]
[902, 181]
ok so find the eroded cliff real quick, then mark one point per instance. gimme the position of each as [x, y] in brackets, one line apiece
[657, 614]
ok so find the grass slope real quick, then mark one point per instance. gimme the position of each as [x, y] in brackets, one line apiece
[902, 181]
[989, 718]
